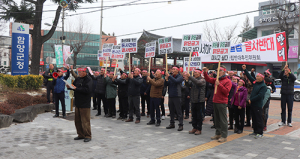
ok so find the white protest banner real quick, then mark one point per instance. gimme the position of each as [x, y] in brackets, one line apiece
[165, 45]
[117, 53]
[191, 43]
[205, 49]
[220, 51]
[195, 63]
[150, 49]
[129, 45]
[271, 48]
[106, 49]
[100, 55]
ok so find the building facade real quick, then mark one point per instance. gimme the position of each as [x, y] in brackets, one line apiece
[5, 44]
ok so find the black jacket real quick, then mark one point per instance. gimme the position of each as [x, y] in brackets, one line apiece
[287, 83]
[134, 85]
[46, 76]
[145, 88]
[83, 91]
[186, 88]
[122, 88]
[101, 84]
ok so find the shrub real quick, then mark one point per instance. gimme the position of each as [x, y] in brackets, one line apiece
[39, 99]
[27, 82]
[19, 100]
[7, 108]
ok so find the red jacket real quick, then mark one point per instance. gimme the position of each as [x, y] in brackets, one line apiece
[222, 90]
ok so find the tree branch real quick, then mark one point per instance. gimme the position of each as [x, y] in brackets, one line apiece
[52, 30]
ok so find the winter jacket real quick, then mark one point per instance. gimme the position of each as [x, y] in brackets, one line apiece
[231, 93]
[223, 88]
[253, 75]
[59, 84]
[134, 85]
[287, 83]
[258, 92]
[157, 86]
[101, 84]
[267, 95]
[164, 91]
[186, 88]
[145, 87]
[74, 74]
[209, 95]
[174, 85]
[111, 88]
[47, 76]
[240, 97]
[83, 91]
[122, 88]
[198, 89]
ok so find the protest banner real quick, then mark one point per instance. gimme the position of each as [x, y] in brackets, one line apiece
[191, 43]
[205, 49]
[165, 46]
[107, 49]
[271, 48]
[117, 53]
[129, 45]
[150, 52]
[220, 51]
[59, 55]
[195, 63]
[150, 49]
[100, 55]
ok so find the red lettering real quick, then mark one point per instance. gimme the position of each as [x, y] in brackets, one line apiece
[248, 46]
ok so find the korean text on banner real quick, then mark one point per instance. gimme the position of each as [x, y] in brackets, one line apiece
[205, 49]
[66, 55]
[150, 49]
[293, 52]
[100, 55]
[59, 55]
[129, 45]
[220, 51]
[191, 43]
[107, 49]
[20, 49]
[165, 45]
[195, 63]
[270, 48]
[117, 53]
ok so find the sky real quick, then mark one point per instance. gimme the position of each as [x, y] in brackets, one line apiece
[136, 18]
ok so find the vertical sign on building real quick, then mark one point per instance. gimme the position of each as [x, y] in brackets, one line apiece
[20, 49]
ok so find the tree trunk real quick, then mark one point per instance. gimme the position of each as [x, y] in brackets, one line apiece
[75, 59]
[36, 39]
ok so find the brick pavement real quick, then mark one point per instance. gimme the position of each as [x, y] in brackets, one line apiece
[48, 137]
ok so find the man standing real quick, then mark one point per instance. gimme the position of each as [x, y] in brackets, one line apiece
[123, 96]
[82, 93]
[220, 101]
[256, 101]
[197, 100]
[157, 86]
[59, 91]
[111, 93]
[134, 82]
[48, 76]
[287, 94]
[145, 94]
[173, 82]
[100, 92]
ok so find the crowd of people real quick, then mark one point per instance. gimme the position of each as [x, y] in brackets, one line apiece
[246, 97]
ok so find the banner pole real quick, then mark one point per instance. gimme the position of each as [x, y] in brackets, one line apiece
[192, 73]
[149, 64]
[106, 64]
[166, 62]
[116, 67]
[189, 62]
[129, 64]
[217, 76]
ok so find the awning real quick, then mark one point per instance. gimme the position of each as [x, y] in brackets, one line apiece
[250, 34]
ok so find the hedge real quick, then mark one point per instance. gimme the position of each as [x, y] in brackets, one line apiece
[26, 82]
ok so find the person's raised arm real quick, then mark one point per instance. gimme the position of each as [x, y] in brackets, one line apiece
[251, 79]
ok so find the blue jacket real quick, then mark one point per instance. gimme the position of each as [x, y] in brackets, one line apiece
[59, 84]
[145, 88]
[174, 85]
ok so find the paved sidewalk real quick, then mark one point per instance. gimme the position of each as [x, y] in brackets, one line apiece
[48, 137]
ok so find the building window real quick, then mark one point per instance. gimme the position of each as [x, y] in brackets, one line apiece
[267, 32]
[266, 10]
[4, 63]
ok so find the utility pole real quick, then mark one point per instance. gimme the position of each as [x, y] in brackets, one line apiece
[100, 39]
[62, 37]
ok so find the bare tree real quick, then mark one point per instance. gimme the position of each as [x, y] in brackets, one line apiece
[246, 27]
[77, 37]
[213, 32]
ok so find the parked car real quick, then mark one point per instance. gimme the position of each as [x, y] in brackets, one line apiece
[277, 94]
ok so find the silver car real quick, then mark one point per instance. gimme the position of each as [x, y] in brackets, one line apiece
[277, 94]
